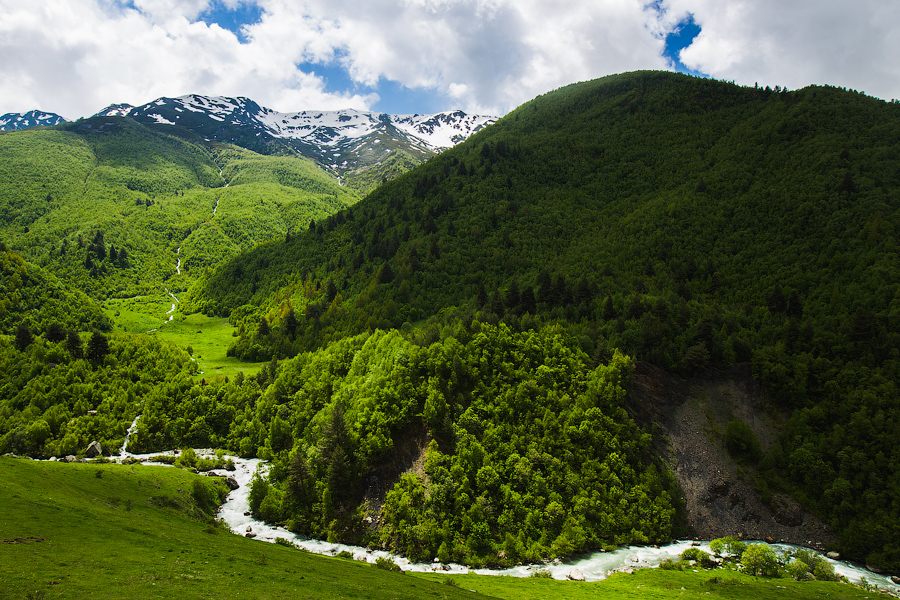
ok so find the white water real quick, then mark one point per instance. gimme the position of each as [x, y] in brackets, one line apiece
[594, 567]
[227, 183]
[124, 451]
[178, 263]
[171, 310]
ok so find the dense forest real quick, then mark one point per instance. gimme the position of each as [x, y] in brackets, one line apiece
[481, 314]
[687, 222]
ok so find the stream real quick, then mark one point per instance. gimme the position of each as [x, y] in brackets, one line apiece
[594, 567]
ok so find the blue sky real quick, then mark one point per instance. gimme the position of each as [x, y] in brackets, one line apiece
[680, 38]
[75, 57]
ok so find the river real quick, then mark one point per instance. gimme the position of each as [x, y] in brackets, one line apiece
[595, 567]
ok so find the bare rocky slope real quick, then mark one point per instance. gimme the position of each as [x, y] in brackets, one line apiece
[691, 416]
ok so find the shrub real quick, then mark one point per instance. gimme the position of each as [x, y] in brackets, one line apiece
[729, 545]
[284, 542]
[542, 574]
[387, 564]
[187, 458]
[671, 565]
[695, 554]
[205, 497]
[815, 563]
[824, 571]
[345, 554]
[759, 559]
[741, 442]
[797, 569]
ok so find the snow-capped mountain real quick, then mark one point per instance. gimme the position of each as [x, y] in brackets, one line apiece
[33, 118]
[346, 142]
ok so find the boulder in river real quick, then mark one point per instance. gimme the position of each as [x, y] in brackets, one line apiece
[833, 555]
[895, 579]
[575, 575]
[93, 449]
[232, 483]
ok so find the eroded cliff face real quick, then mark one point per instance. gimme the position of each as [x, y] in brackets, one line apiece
[720, 499]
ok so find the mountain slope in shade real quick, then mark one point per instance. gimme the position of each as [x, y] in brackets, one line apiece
[33, 118]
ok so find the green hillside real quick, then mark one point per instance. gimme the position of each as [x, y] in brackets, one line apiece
[137, 531]
[31, 297]
[687, 222]
[116, 531]
[105, 203]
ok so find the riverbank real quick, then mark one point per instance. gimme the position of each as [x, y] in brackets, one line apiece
[593, 567]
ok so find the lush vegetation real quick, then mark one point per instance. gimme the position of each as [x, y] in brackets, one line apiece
[60, 393]
[34, 299]
[117, 531]
[687, 222]
[656, 583]
[110, 205]
[531, 453]
[444, 362]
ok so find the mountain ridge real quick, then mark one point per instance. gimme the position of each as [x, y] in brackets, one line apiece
[32, 118]
[346, 143]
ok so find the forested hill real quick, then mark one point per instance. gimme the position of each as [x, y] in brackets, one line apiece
[687, 222]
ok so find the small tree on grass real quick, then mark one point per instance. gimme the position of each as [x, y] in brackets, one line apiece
[759, 559]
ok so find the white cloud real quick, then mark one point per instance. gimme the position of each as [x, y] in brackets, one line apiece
[76, 56]
[798, 43]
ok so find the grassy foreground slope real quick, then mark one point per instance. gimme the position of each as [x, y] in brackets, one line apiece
[119, 531]
[115, 531]
[687, 222]
[658, 583]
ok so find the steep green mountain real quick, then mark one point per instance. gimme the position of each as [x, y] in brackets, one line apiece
[687, 222]
[113, 206]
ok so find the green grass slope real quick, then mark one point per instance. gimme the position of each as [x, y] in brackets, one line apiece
[657, 583]
[72, 198]
[122, 531]
[116, 531]
[688, 222]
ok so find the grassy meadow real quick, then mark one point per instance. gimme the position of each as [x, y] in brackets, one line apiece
[656, 583]
[206, 337]
[112, 531]
[117, 531]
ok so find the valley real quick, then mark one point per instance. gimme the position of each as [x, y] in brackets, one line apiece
[633, 310]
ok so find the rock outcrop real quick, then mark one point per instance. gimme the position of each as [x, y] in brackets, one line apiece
[720, 498]
[94, 449]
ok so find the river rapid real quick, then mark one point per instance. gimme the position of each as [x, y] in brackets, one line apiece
[235, 512]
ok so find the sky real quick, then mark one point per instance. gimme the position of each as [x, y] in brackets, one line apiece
[75, 57]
